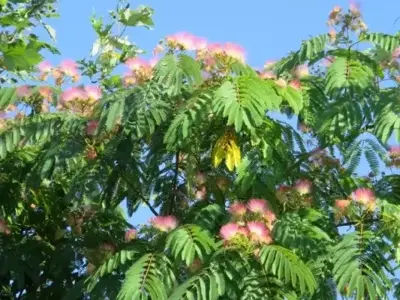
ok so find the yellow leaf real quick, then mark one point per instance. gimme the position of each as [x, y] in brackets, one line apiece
[235, 150]
[218, 154]
[230, 159]
[226, 148]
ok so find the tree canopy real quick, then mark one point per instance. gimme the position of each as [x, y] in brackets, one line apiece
[246, 206]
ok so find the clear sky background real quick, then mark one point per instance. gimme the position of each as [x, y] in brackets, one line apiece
[267, 29]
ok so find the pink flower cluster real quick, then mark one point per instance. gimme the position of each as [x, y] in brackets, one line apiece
[364, 196]
[341, 207]
[140, 70]
[302, 187]
[252, 221]
[256, 231]
[164, 223]
[394, 155]
[352, 19]
[186, 41]
[87, 93]
[207, 52]
[298, 73]
[130, 235]
[67, 68]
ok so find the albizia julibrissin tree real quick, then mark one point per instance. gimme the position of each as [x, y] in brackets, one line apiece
[245, 206]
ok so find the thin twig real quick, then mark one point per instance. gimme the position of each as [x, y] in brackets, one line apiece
[355, 223]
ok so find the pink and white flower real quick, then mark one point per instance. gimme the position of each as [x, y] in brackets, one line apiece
[267, 75]
[364, 196]
[45, 92]
[200, 44]
[238, 209]
[243, 231]
[229, 231]
[74, 93]
[303, 186]
[259, 232]
[259, 206]
[153, 62]
[333, 15]
[270, 216]
[45, 67]
[181, 40]
[164, 223]
[70, 68]
[136, 63]
[129, 79]
[355, 8]
[215, 49]
[235, 51]
[130, 235]
[342, 204]
[301, 71]
[281, 83]
[24, 91]
[158, 49]
[396, 53]
[93, 92]
[394, 152]
[296, 84]
[269, 65]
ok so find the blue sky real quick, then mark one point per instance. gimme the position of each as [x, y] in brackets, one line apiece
[267, 29]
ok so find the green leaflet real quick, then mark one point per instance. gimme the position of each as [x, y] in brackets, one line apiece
[144, 278]
[384, 41]
[171, 71]
[190, 241]
[287, 266]
[7, 96]
[359, 277]
[141, 16]
[244, 101]
[310, 50]
[350, 74]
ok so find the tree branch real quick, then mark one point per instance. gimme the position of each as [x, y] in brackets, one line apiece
[174, 185]
[141, 197]
[355, 223]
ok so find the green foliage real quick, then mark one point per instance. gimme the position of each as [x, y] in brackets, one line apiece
[147, 278]
[352, 75]
[382, 40]
[355, 271]
[156, 140]
[246, 99]
[310, 50]
[171, 71]
[188, 242]
[288, 267]
[208, 284]
[139, 17]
